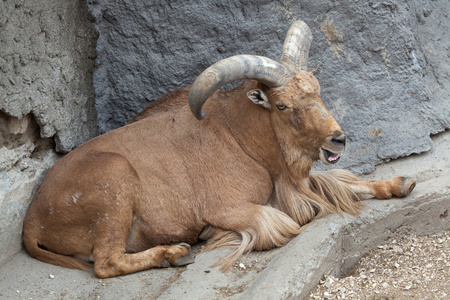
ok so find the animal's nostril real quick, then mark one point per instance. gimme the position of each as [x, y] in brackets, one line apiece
[341, 141]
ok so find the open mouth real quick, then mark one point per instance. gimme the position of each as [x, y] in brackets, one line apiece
[328, 157]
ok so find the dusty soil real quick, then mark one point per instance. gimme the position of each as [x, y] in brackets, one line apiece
[415, 267]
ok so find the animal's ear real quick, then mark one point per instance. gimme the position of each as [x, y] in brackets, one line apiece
[259, 97]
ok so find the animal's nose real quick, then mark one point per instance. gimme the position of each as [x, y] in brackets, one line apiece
[339, 141]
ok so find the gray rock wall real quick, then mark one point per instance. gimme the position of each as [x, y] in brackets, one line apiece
[48, 50]
[46, 98]
[383, 65]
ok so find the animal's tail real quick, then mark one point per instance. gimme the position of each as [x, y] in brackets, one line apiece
[40, 253]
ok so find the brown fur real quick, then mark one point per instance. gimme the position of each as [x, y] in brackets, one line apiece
[124, 198]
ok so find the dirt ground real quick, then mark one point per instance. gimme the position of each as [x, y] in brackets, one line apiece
[415, 267]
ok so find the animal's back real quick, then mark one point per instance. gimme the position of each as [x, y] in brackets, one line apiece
[168, 102]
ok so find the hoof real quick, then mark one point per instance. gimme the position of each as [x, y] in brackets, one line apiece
[183, 261]
[165, 264]
[177, 255]
[407, 185]
[179, 262]
[187, 246]
[207, 233]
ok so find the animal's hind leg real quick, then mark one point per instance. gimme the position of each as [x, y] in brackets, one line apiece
[109, 205]
[380, 189]
[116, 262]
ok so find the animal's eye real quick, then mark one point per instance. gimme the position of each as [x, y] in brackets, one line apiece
[281, 106]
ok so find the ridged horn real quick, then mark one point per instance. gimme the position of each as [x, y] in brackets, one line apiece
[263, 69]
[296, 47]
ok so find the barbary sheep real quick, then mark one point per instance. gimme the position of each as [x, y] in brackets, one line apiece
[136, 197]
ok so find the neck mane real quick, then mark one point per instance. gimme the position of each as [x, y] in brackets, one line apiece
[315, 196]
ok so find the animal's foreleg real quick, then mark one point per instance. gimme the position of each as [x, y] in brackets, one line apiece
[384, 189]
[116, 262]
[380, 189]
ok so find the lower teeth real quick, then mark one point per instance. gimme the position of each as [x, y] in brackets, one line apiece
[333, 157]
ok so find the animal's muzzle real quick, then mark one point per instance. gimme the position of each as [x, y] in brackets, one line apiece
[340, 141]
[331, 150]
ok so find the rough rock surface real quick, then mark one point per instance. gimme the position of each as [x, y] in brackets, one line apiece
[46, 98]
[383, 65]
[46, 65]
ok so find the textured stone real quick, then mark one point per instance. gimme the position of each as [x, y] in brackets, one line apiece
[24, 159]
[46, 65]
[46, 99]
[17, 186]
[383, 65]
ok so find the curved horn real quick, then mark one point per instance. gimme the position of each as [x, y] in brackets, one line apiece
[296, 47]
[263, 69]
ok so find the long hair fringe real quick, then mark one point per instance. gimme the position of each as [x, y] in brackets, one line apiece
[294, 205]
[271, 228]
